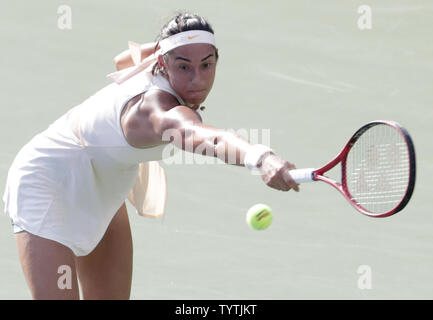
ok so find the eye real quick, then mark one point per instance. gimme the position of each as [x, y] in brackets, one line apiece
[207, 65]
[183, 67]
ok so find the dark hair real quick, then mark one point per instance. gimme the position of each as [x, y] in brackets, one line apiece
[180, 23]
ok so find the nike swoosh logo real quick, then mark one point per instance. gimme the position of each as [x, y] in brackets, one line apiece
[192, 37]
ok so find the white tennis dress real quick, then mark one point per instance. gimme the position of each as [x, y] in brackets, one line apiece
[67, 188]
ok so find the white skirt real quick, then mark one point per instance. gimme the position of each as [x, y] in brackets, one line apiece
[54, 190]
[60, 190]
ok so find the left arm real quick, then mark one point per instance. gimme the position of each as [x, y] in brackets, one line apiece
[124, 60]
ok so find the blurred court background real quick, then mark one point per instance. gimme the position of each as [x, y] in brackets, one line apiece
[302, 69]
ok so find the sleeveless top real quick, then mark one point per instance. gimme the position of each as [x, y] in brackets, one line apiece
[100, 125]
[68, 188]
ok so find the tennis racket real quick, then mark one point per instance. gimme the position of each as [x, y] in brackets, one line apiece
[377, 169]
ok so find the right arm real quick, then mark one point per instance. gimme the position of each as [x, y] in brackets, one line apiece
[185, 129]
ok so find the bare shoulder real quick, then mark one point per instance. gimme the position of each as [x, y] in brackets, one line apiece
[166, 110]
[167, 105]
[159, 100]
[147, 115]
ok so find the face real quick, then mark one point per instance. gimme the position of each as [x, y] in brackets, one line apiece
[190, 69]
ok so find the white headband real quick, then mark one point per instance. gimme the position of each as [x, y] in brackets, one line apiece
[167, 44]
[184, 38]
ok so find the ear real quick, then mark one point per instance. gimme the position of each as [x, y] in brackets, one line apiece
[161, 65]
[160, 61]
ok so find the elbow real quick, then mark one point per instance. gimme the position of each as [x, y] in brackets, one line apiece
[172, 131]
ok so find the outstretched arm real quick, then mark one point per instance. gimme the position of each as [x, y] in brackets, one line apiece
[185, 129]
[124, 60]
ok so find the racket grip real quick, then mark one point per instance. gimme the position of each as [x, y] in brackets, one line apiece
[302, 175]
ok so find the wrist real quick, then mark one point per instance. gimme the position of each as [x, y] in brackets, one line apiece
[255, 156]
[262, 158]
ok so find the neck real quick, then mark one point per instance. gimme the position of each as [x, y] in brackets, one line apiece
[190, 105]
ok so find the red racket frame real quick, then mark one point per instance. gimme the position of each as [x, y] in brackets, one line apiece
[318, 174]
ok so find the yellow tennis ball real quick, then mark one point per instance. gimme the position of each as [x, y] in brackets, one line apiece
[259, 216]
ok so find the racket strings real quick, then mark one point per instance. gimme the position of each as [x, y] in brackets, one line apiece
[378, 169]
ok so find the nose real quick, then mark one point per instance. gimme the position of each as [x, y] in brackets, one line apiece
[195, 76]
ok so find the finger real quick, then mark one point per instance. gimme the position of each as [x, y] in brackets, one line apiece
[281, 185]
[289, 181]
[287, 187]
[276, 184]
[291, 166]
[295, 187]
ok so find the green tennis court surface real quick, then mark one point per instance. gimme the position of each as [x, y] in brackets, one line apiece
[304, 71]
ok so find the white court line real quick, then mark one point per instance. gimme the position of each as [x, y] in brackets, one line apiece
[305, 82]
[347, 85]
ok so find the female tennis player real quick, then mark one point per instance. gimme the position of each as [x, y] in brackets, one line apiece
[66, 188]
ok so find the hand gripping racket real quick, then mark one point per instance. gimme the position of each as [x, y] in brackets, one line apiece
[377, 169]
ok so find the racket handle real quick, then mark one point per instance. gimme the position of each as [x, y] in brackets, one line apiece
[302, 175]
